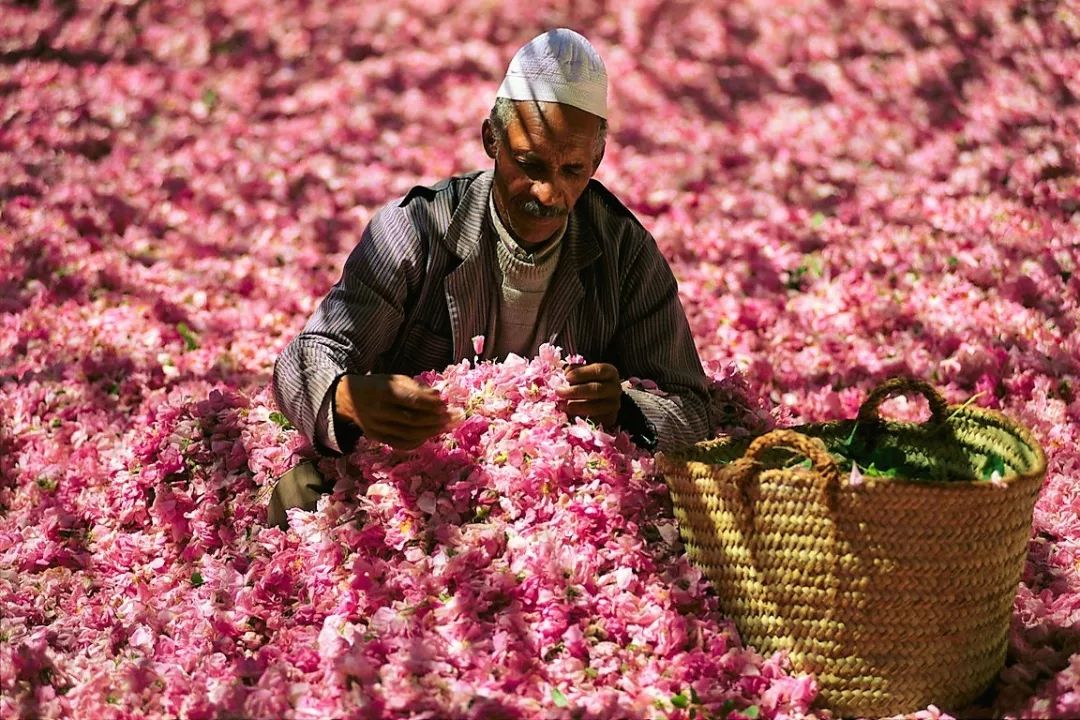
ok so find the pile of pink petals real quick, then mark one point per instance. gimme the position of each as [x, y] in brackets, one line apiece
[846, 192]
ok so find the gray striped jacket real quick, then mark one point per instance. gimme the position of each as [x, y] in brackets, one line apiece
[418, 286]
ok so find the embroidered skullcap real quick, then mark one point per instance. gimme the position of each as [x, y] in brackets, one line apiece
[558, 66]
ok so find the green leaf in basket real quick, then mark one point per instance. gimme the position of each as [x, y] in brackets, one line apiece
[751, 712]
[994, 464]
[883, 462]
[872, 470]
[680, 700]
[558, 698]
[847, 442]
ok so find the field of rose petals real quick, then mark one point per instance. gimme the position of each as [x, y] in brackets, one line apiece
[846, 190]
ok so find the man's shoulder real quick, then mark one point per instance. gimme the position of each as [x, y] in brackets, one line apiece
[610, 215]
[424, 211]
[448, 191]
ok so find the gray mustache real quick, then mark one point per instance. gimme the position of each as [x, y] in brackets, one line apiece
[534, 208]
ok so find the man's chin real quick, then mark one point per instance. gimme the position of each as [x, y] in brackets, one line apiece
[536, 230]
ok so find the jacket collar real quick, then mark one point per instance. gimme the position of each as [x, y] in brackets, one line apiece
[463, 235]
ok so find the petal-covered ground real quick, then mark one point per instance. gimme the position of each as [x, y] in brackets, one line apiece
[846, 191]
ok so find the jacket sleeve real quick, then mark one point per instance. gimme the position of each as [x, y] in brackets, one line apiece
[355, 323]
[653, 342]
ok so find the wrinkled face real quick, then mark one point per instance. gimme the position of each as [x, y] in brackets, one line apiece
[542, 166]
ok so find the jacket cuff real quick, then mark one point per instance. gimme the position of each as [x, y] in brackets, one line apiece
[334, 435]
[633, 422]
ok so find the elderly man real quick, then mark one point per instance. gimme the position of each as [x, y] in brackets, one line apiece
[534, 251]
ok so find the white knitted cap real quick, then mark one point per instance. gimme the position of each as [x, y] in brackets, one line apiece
[558, 66]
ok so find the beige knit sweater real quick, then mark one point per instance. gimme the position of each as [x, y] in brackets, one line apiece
[522, 278]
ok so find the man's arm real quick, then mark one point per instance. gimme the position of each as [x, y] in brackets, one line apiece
[654, 342]
[356, 322]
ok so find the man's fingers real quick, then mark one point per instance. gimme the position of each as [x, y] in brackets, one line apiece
[594, 392]
[413, 428]
[401, 419]
[420, 401]
[400, 443]
[594, 372]
[591, 391]
[409, 415]
[598, 381]
[407, 393]
[394, 409]
[400, 436]
[604, 414]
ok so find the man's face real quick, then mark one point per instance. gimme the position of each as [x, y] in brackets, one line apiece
[542, 166]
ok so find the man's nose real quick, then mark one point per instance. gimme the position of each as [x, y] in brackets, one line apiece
[547, 193]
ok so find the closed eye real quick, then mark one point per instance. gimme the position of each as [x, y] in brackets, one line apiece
[535, 167]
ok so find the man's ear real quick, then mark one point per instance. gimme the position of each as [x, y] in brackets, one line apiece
[487, 133]
[599, 158]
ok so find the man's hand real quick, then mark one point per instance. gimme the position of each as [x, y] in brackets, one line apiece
[594, 393]
[394, 409]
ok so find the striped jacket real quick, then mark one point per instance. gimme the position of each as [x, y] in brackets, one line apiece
[418, 286]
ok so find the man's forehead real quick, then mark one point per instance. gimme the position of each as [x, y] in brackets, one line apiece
[549, 120]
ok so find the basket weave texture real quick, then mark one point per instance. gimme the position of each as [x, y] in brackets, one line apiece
[894, 592]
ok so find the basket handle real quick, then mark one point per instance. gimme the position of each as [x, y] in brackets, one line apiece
[868, 411]
[812, 448]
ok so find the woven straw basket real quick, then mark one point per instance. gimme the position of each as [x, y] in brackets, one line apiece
[894, 592]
